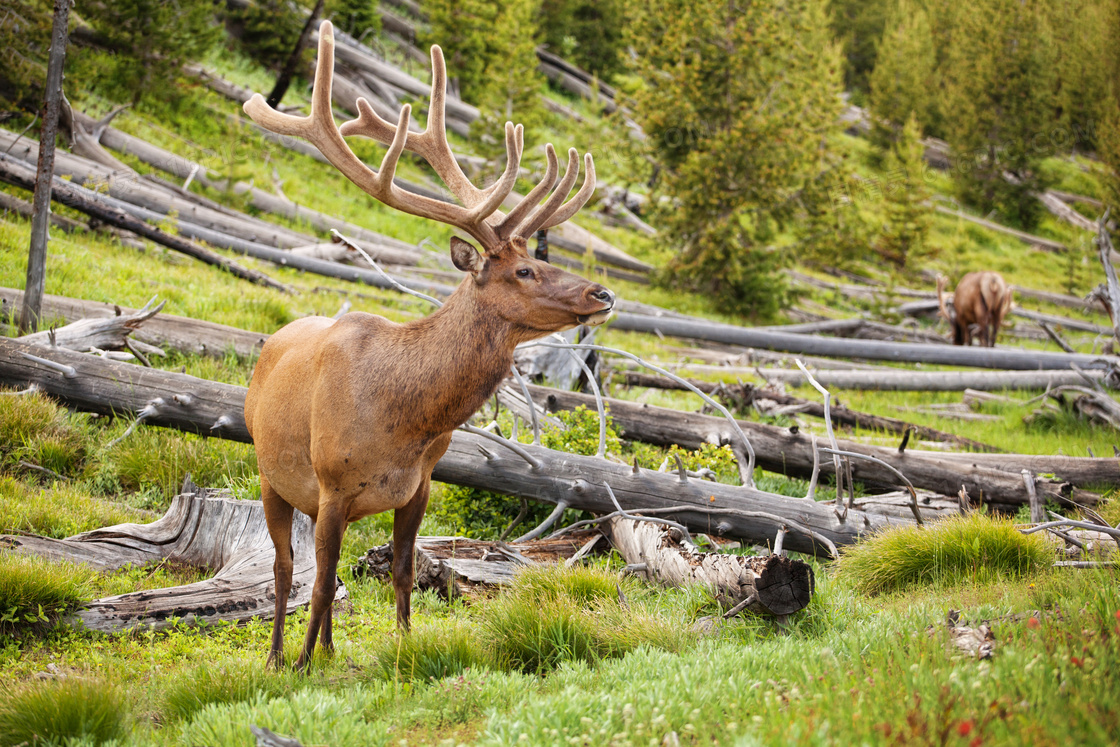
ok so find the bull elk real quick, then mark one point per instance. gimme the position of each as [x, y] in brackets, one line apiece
[981, 299]
[349, 416]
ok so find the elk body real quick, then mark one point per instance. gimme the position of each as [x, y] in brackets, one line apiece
[350, 416]
[981, 299]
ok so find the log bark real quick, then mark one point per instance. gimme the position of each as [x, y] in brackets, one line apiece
[164, 330]
[85, 201]
[456, 567]
[932, 381]
[112, 333]
[204, 528]
[950, 355]
[187, 403]
[778, 585]
[747, 394]
[789, 452]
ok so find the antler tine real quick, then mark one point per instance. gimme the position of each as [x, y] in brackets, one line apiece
[389, 162]
[506, 227]
[537, 218]
[574, 205]
[288, 124]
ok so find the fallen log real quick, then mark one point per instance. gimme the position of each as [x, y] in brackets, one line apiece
[1031, 240]
[93, 334]
[174, 400]
[88, 202]
[950, 355]
[746, 394]
[790, 452]
[204, 528]
[768, 584]
[165, 330]
[25, 208]
[455, 567]
[933, 381]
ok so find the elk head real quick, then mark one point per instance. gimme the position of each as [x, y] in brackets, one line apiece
[533, 296]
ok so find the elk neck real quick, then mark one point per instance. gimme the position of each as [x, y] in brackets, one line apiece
[464, 350]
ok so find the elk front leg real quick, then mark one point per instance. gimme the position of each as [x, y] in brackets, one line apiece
[278, 517]
[406, 522]
[329, 528]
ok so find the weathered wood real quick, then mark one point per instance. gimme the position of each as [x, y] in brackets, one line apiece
[1031, 240]
[111, 333]
[950, 355]
[748, 394]
[27, 209]
[43, 182]
[164, 330]
[460, 567]
[1056, 205]
[778, 585]
[187, 403]
[88, 202]
[204, 528]
[1104, 251]
[789, 452]
[932, 381]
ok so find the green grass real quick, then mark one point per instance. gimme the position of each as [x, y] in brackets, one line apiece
[955, 550]
[33, 590]
[69, 711]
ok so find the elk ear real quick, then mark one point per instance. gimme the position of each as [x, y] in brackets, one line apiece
[465, 256]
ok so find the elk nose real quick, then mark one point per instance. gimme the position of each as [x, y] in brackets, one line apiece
[604, 295]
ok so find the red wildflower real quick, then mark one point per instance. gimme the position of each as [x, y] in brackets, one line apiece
[1075, 661]
[1033, 623]
[964, 728]
[976, 742]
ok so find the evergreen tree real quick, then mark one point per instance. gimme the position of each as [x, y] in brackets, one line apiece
[586, 32]
[858, 25]
[355, 17]
[151, 39]
[1109, 138]
[736, 103]
[465, 30]
[904, 81]
[267, 30]
[1082, 77]
[905, 198]
[25, 38]
[999, 83]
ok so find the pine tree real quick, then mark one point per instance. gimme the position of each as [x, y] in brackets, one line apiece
[464, 29]
[905, 198]
[267, 30]
[25, 39]
[1109, 137]
[586, 32]
[999, 83]
[1082, 78]
[356, 17]
[151, 39]
[858, 25]
[904, 80]
[736, 103]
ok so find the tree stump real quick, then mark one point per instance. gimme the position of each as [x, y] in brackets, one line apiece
[205, 528]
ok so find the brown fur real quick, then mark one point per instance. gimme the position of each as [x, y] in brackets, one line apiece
[982, 299]
[350, 416]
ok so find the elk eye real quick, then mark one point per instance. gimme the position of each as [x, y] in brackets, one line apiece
[524, 272]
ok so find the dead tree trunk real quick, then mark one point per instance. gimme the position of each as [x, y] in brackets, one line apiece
[789, 452]
[291, 66]
[933, 381]
[174, 400]
[776, 584]
[85, 201]
[42, 184]
[204, 528]
[106, 333]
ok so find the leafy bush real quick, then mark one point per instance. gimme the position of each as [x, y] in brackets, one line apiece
[33, 589]
[56, 712]
[973, 547]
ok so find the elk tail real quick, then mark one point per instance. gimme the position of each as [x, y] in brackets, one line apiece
[944, 310]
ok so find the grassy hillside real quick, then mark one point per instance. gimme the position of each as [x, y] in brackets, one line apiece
[557, 659]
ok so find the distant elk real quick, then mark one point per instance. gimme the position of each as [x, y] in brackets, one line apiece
[350, 416]
[981, 300]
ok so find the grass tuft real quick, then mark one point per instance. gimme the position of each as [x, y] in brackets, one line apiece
[62, 711]
[431, 652]
[968, 548]
[233, 681]
[35, 429]
[33, 589]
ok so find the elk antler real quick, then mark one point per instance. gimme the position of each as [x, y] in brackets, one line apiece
[478, 215]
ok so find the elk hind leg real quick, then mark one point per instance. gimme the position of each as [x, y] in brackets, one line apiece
[278, 518]
[329, 528]
[406, 522]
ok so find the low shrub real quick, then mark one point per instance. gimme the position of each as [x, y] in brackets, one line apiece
[966, 548]
[61, 711]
